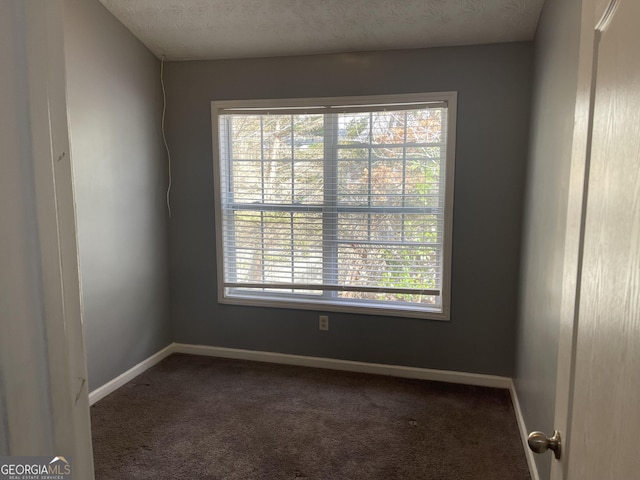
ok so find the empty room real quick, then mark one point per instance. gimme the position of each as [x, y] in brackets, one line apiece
[296, 239]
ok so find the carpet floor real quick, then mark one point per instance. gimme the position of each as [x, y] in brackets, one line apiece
[203, 418]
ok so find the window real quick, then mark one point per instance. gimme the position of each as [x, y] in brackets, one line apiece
[336, 203]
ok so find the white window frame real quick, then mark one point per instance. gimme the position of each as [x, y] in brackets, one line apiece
[350, 306]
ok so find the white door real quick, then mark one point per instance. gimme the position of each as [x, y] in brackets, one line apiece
[604, 407]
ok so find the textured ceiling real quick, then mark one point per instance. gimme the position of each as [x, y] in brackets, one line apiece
[213, 29]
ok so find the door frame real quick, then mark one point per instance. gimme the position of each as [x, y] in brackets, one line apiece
[59, 376]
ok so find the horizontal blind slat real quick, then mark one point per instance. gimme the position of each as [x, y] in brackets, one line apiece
[335, 288]
[331, 109]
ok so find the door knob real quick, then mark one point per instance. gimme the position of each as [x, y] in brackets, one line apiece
[540, 443]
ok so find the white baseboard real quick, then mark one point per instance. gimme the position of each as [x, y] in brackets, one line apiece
[533, 470]
[347, 365]
[110, 387]
[303, 361]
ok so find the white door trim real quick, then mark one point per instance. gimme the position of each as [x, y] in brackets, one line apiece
[54, 418]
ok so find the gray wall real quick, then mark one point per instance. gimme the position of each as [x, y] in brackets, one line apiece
[120, 173]
[493, 84]
[555, 84]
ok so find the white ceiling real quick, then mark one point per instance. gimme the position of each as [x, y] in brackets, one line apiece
[214, 29]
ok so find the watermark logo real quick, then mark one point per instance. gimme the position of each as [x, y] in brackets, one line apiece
[35, 468]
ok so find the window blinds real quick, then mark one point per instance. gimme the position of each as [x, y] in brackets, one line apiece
[334, 202]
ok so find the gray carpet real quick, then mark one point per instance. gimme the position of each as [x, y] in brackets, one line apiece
[192, 417]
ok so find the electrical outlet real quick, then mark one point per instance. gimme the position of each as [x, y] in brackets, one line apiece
[324, 322]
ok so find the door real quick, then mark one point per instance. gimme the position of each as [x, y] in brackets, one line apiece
[604, 402]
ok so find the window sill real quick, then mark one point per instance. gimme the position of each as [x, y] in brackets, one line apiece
[337, 306]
